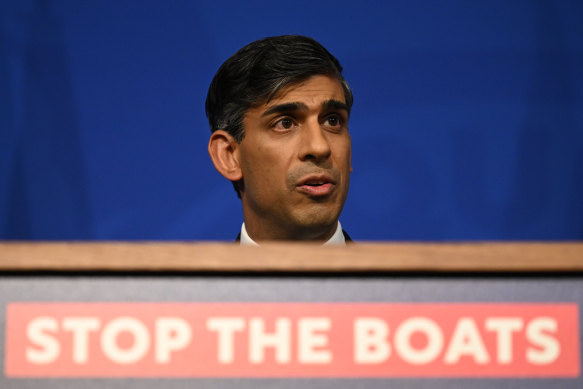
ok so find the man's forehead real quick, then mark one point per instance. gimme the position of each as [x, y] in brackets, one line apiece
[313, 91]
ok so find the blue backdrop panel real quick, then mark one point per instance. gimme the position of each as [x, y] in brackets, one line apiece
[467, 123]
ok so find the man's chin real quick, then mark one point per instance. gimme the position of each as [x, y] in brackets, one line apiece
[316, 226]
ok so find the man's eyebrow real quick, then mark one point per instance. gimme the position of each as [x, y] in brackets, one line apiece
[286, 107]
[327, 105]
[335, 105]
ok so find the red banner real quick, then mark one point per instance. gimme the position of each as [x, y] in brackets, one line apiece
[291, 340]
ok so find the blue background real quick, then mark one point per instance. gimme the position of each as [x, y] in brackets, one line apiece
[467, 122]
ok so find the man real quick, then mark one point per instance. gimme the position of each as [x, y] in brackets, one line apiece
[278, 111]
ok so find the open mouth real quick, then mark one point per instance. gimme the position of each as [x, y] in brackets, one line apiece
[316, 183]
[316, 187]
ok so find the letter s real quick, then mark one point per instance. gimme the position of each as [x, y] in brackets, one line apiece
[37, 333]
[548, 347]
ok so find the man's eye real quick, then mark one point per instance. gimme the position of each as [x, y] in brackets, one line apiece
[284, 124]
[333, 120]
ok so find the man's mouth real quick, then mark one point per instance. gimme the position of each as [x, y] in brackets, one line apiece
[316, 186]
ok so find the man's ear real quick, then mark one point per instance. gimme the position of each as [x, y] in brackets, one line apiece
[224, 152]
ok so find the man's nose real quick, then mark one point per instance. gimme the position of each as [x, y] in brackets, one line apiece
[314, 143]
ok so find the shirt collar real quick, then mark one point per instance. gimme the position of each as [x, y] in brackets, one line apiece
[336, 239]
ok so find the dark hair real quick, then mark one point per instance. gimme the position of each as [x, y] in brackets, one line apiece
[255, 73]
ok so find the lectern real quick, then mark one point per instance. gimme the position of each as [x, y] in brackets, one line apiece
[370, 315]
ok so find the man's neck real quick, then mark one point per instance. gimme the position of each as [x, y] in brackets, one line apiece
[337, 237]
[268, 230]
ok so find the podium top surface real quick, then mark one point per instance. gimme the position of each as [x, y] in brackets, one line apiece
[291, 257]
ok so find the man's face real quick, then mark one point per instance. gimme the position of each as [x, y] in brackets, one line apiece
[296, 161]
